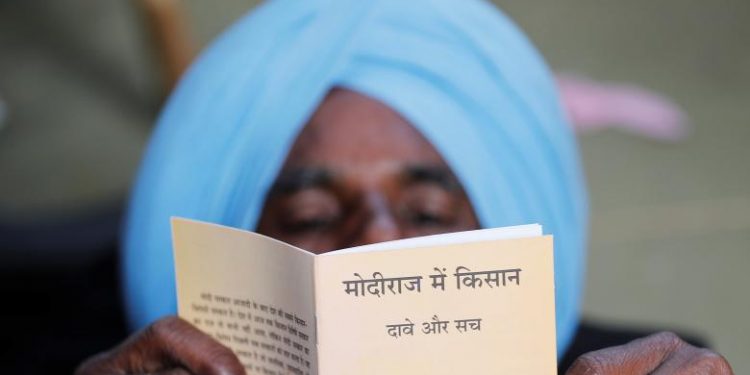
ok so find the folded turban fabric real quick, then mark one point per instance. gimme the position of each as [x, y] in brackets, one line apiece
[460, 71]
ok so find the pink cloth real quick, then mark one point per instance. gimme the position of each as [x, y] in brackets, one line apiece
[593, 105]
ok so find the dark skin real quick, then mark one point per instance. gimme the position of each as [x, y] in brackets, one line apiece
[345, 185]
[359, 173]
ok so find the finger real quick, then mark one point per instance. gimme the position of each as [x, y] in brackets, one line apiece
[662, 353]
[690, 360]
[168, 344]
[194, 350]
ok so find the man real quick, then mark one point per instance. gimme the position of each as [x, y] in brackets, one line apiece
[332, 123]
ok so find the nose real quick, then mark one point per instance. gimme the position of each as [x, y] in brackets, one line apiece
[377, 223]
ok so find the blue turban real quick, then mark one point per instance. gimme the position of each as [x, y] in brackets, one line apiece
[460, 71]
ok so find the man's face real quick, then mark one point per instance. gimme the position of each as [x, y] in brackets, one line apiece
[359, 173]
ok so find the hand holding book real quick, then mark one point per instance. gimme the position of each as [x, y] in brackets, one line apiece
[255, 305]
[174, 346]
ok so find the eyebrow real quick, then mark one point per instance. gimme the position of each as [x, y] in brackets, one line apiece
[294, 180]
[438, 175]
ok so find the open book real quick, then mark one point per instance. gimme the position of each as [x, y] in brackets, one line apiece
[471, 302]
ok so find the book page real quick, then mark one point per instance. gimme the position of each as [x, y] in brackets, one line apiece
[478, 235]
[252, 293]
[480, 307]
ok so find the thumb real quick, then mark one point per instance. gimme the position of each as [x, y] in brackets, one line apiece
[662, 353]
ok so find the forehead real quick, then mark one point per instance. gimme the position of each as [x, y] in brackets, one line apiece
[350, 131]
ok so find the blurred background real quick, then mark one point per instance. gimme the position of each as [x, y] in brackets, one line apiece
[81, 82]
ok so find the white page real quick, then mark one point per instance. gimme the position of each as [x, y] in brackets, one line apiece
[252, 293]
[364, 299]
[479, 235]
